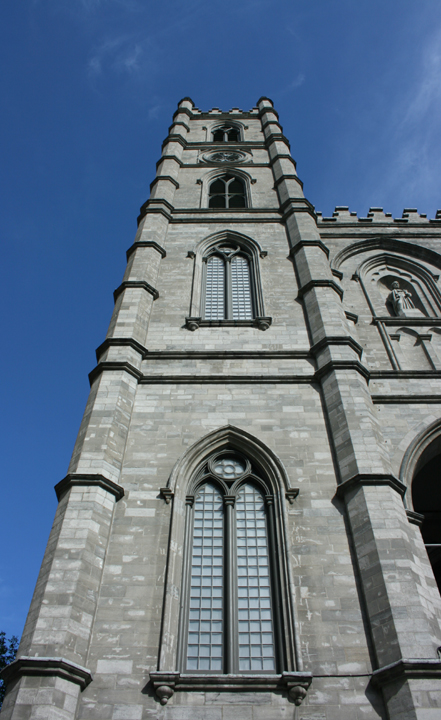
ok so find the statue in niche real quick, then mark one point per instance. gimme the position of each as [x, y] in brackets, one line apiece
[402, 303]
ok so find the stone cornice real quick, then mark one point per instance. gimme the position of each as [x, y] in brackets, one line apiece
[120, 342]
[47, 666]
[295, 684]
[287, 177]
[415, 518]
[342, 365]
[135, 284]
[227, 354]
[432, 399]
[90, 481]
[227, 379]
[169, 157]
[146, 244]
[168, 178]
[336, 340]
[320, 283]
[407, 322]
[370, 479]
[112, 367]
[308, 243]
[423, 668]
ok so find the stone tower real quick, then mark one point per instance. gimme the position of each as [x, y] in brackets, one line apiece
[242, 529]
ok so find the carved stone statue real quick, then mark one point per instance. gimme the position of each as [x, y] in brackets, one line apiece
[402, 303]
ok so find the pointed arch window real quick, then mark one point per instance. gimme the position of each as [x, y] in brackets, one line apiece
[226, 133]
[227, 191]
[229, 623]
[228, 285]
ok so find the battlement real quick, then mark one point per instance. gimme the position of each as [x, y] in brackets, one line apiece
[376, 215]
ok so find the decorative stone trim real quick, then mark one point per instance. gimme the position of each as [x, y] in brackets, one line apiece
[260, 322]
[365, 479]
[227, 378]
[320, 283]
[308, 243]
[47, 666]
[291, 495]
[135, 284]
[120, 342]
[407, 322]
[193, 323]
[72, 479]
[415, 518]
[406, 399]
[165, 177]
[105, 365]
[342, 365]
[335, 340]
[423, 668]
[146, 243]
[352, 317]
[167, 494]
[296, 684]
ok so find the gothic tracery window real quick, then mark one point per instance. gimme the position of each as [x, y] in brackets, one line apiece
[227, 191]
[226, 133]
[228, 285]
[230, 625]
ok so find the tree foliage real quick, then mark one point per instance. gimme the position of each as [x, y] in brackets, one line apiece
[8, 651]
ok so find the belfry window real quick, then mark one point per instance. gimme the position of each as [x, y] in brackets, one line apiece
[226, 133]
[228, 285]
[227, 191]
[231, 584]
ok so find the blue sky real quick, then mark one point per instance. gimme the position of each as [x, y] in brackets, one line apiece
[88, 88]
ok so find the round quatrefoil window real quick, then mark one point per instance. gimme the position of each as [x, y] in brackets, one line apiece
[225, 156]
[229, 466]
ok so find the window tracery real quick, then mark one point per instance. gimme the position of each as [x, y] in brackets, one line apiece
[227, 191]
[228, 618]
[226, 133]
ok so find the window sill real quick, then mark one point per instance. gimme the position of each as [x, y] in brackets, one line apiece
[295, 684]
[194, 323]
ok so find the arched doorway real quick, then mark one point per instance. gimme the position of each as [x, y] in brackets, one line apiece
[426, 498]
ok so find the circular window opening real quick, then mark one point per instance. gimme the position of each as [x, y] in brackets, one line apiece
[228, 467]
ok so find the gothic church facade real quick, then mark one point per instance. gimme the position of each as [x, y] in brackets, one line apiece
[250, 523]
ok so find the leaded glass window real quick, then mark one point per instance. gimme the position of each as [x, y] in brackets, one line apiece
[228, 286]
[205, 627]
[226, 134]
[230, 623]
[256, 640]
[227, 191]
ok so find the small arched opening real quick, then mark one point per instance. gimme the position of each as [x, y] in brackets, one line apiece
[426, 499]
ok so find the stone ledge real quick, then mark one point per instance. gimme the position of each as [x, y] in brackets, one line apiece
[135, 284]
[146, 244]
[120, 342]
[415, 518]
[47, 666]
[374, 479]
[260, 322]
[342, 365]
[89, 481]
[309, 243]
[320, 283]
[336, 340]
[424, 668]
[295, 684]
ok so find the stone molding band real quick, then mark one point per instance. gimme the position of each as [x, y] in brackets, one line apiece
[89, 481]
[135, 284]
[337, 340]
[146, 243]
[357, 481]
[120, 342]
[308, 243]
[295, 684]
[415, 518]
[169, 178]
[260, 322]
[320, 283]
[47, 666]
[405, 668]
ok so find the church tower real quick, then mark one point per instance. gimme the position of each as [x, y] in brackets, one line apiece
[250, 526]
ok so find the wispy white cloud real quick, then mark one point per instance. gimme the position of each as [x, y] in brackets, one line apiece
[124, 54]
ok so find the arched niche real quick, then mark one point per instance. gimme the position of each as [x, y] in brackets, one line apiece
[381, 274]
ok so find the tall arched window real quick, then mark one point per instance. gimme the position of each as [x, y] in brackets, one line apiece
[228, 285]
[227, 191]
[426, 499]
[226, 133]
[231, 619]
